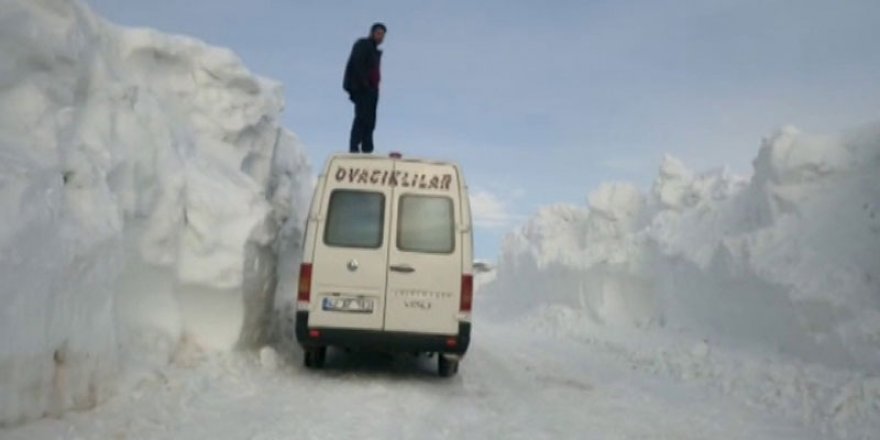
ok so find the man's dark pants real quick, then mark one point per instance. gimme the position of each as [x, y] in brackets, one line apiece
[364, 121]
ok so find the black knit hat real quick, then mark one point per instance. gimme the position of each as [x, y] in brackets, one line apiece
[378, 26]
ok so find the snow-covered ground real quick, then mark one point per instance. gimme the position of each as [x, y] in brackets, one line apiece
[151, 204]
[514, 384]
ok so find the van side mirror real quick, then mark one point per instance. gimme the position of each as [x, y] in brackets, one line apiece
[482, 267]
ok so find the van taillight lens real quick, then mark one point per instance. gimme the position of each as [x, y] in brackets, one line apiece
[305, 283]
[467, 293]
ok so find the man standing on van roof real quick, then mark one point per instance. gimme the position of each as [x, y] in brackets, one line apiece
[361, 81]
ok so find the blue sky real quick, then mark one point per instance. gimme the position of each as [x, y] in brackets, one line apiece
[542, 101]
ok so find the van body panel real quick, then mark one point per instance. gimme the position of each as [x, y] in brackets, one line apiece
[312, 221]
[425, 296]
[345, 272]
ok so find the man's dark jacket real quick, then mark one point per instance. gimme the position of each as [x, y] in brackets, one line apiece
[362, 70]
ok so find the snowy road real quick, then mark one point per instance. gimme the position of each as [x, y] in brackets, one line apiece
[512, 385]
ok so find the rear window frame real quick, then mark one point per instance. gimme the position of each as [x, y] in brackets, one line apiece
[381, 219]
[452, 224]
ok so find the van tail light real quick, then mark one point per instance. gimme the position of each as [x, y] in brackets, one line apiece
[304, 292]
[467, 293]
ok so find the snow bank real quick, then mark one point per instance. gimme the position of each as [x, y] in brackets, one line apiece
[144, 179]
[788, 260]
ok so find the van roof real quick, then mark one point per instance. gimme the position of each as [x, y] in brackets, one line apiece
[356, 156]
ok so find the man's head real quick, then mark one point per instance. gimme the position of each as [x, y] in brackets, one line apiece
[377, 33]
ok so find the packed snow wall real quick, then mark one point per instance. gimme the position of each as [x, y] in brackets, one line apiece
[144, 183]
[786, 261]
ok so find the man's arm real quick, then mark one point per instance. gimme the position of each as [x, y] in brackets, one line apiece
[359, 58]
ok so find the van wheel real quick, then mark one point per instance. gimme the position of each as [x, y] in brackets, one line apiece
[446, 367]
[314, 357]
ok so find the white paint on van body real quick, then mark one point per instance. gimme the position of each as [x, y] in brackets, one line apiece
[414, 292]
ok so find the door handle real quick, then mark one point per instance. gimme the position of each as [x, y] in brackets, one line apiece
[402, 268]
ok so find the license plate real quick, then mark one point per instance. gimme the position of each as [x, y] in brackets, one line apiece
[347, 304]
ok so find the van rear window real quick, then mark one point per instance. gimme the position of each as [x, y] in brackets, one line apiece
[426, 224]
[355, 219]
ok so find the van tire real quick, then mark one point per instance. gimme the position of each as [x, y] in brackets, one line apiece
[314, 357]
[446, 367]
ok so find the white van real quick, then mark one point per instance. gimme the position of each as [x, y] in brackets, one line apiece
[387, 260]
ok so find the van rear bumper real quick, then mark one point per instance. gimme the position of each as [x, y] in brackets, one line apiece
[382, 340]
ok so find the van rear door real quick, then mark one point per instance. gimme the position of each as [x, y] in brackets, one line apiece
[351, 249]
[425, 255]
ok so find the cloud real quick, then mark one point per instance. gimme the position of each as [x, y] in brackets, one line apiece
[489, 211]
